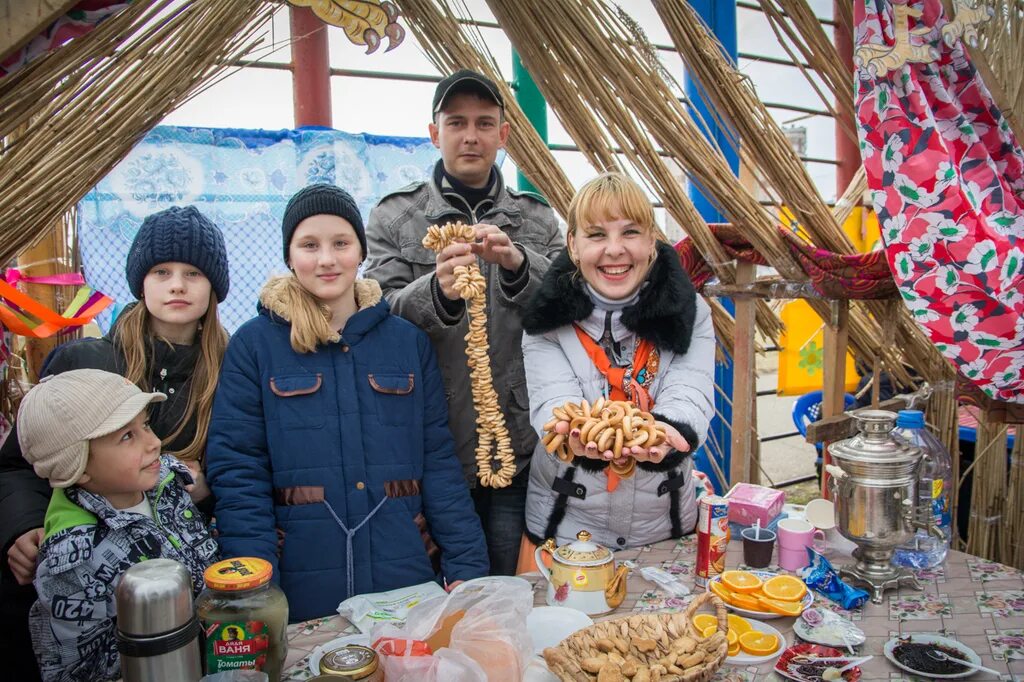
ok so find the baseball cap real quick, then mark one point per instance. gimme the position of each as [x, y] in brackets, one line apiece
[62, 413]
[465, 80]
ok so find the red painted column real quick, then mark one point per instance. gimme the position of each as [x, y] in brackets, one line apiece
[847, 149]
[311, 69]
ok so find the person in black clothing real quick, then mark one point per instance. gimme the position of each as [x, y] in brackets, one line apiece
[170, 341]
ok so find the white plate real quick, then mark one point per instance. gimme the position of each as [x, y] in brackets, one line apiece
[765, 615]
[549, 625]
[967, 653]
[318, 652]
[830, 632]
[743, 658]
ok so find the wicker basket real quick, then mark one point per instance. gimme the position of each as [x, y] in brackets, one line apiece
[650, 647]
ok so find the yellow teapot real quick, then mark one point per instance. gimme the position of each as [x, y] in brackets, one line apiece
[583, 576]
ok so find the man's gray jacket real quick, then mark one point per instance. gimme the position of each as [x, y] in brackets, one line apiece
[404, 268]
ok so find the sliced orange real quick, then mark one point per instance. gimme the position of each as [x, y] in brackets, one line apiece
[746, 601]
[739, 624]
[784, 587]
[721, 590]
[709, 630]
[741, 581]
[734, 649]
[758, 643]
[702, 621]
[783, 608]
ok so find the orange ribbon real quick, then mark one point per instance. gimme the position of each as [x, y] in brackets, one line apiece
[49, 322]
[616, 377]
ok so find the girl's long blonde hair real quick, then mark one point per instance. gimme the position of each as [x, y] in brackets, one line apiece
[310, 319]
[134, 338]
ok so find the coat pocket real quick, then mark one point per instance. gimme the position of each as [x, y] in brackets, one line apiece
[300, 402]
[395, 397]
[421, 259]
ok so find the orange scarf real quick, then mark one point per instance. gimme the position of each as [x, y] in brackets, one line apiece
[616, 377]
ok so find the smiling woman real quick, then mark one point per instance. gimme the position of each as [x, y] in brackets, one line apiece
[617, 317]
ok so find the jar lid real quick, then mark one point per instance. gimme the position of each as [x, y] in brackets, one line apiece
[583, 552]
[233, 575]
[351, 660]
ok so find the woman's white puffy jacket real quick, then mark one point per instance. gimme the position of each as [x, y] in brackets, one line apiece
[658, 502]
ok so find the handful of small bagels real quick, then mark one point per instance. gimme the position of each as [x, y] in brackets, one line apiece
[611, 429]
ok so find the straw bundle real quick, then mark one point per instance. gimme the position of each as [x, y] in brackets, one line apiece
[1001, 41]
[942, 415]
[594, 78]
[1013, 553]
[590, 60]
[450, 47]
[83, 107]
[741, 112]
[796, 26]
[853, 196]
[987, 534]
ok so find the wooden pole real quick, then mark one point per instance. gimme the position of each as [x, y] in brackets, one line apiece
[743, 467]
[837, 336]
[37, 261]
[847, 148]
[311, 69]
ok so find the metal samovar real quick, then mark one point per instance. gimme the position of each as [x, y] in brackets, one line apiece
[874, 485]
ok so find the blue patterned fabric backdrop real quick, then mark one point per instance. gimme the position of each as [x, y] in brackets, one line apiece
[241, 179]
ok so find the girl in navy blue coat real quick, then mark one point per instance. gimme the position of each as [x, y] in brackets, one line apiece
[329, 451]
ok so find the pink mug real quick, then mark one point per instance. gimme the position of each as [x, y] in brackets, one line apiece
[795, 536]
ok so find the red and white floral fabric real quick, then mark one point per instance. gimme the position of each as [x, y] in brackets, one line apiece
[947, 179]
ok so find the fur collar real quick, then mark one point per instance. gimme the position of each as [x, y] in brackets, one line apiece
[274, 299]
[664, 314]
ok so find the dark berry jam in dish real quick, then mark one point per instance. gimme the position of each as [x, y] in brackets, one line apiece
[915, 655]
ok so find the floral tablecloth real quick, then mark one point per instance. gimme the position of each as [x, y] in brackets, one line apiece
[978, 602]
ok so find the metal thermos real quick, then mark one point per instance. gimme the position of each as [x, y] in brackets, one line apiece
[157, 629]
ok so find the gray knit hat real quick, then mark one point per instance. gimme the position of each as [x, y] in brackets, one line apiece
[321, 199]
[61, 414]
[179, 235]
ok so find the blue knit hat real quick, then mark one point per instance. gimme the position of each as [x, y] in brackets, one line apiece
[321, 199]
[179, 235]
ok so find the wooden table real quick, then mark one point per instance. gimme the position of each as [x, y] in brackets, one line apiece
[975, 601]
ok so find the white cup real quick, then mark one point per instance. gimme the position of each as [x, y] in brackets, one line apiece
[821, 514]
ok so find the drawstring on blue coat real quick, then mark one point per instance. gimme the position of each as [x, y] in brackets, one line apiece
[350, 580]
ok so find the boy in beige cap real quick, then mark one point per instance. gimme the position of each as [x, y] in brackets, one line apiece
[116, 501]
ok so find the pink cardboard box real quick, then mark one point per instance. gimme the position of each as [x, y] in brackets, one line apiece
[749, 503]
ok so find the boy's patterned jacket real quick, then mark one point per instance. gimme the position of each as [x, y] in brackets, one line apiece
[87, 547]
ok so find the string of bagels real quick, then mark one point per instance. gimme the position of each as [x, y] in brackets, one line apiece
[492, 434]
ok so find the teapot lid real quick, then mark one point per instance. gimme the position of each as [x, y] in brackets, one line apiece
[583, 552]
[874, 442]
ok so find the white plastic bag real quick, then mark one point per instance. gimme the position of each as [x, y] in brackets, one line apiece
[366, 610]
[488, 644]
[447, 665]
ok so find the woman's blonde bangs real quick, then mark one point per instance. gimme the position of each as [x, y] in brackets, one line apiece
[611, 196]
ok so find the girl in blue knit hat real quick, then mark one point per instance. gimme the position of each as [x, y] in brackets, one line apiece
[330, 454]
[171, 340]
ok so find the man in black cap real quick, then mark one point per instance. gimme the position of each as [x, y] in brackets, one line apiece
[517, 235]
